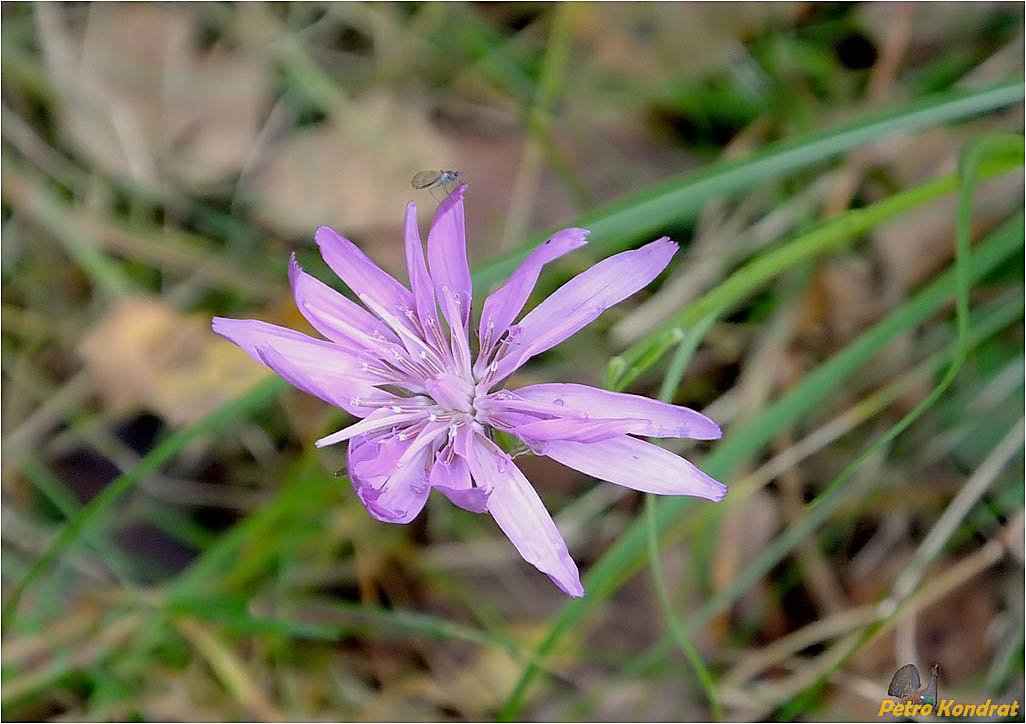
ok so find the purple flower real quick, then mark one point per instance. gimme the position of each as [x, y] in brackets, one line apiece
[426, 404]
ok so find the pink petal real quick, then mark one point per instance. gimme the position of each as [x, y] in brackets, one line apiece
[577, 429]
[339, 319]
[370, 463]
[447, 255]
[381, 419]
[520, 513]
[400, 497]
[451, 391]
[420, 280]
[662, 419]
[582, 299]
[504, 304]
[453, 481]
[320, 368]
[636, 464]
[361, 274]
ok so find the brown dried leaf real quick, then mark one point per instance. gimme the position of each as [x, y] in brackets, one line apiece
[144, 354]
[141, 99]
[353, 176]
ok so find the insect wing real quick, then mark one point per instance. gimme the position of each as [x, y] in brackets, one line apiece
[423, 179]
[904, 682]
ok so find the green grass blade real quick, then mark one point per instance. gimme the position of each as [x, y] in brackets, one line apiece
[153, 461]
[679, 199]
[831, 235]
[674, 375]
[618, 563]
[969, 172]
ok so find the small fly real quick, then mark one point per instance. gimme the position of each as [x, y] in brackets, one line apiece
[434, 179]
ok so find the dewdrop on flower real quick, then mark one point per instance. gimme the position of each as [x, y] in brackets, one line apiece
[435, 434]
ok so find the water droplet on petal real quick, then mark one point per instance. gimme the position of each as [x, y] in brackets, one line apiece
[396, 408]
[432, 417]
[500, 464]
[558, 402]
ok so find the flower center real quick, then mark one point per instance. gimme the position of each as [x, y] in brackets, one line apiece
[451, 392]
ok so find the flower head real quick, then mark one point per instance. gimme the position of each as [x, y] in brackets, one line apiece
[427, 404]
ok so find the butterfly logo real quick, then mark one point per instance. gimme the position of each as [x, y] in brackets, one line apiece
[907, 686]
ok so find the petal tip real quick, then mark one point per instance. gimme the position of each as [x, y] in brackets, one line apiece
[325, 234]
[220, 325]
[710, 431]
[573, 588]
[664, 243]
[711, 489]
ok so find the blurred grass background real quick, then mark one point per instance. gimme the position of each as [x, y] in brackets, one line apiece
[174, 548]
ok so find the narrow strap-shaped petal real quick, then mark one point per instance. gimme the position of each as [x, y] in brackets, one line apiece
[298, 348]
[380, 419]
[521, 515]
[361, 274]
[581, 300]
[636, 464]
[320, 368]
[370, 463]
[297, 376]
[453, 480]
[352, 396]
[400, 497]
[504, 304]
[473, 499]
[577, 429]
[420, 280]
[663, 420]
[425, 440]
[447, 257]
[332, 314]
